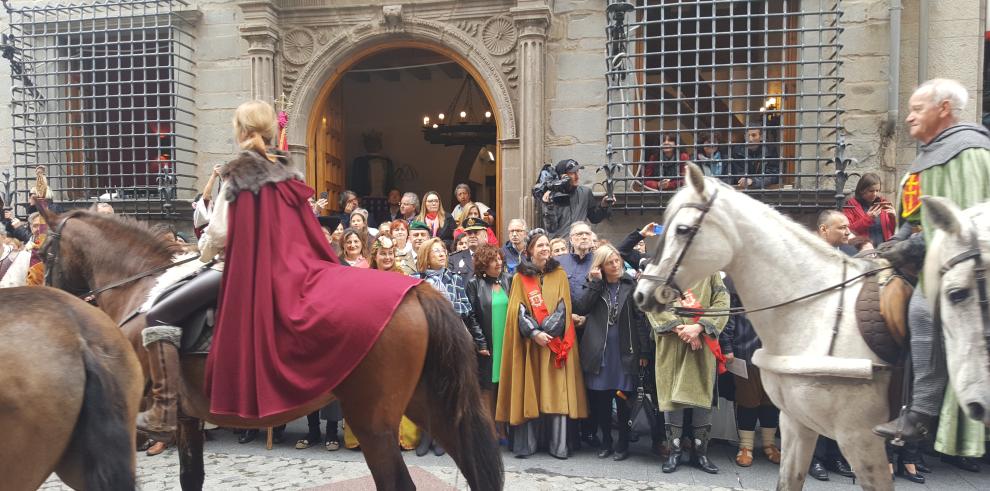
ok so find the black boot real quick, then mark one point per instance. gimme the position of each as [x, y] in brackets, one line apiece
[674, 444]
[911, 426]
[701, 439]
[622, 444]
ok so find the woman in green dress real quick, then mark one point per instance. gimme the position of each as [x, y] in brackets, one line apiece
[488, 292]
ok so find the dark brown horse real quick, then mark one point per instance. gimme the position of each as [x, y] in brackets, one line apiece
[423, 364]
[71, 387]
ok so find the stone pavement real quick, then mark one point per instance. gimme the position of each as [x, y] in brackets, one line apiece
[230, 466]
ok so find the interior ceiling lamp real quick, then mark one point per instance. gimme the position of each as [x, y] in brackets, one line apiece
[463, 123]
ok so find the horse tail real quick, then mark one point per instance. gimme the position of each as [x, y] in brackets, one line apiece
[103, 429]
[452, 378]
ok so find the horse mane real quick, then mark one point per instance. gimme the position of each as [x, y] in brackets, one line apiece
[753, 207]
[133, 236]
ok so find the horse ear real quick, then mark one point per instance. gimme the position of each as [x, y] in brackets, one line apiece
[51, 218]
[696, 178]
[943, 214]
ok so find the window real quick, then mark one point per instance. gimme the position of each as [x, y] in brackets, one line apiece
[747, 89]
[102, 100]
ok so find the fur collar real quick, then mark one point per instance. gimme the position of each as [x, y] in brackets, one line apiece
[527, 267]
[250, 171]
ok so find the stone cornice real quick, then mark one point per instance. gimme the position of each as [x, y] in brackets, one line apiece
[532, 21]
[261, 38]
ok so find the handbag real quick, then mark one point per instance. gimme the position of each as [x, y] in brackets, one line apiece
[642, 415]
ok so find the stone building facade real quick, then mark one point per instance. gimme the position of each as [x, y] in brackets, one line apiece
[541, 65]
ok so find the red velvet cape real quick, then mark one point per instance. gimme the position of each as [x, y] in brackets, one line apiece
[293, 321]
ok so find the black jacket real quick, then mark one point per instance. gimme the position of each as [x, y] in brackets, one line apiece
[580, 205]
[634, 334]
[738, 337]
[462, 263]
[479, 293]
[628, 252]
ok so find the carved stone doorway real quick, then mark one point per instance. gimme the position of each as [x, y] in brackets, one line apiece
[358, 104]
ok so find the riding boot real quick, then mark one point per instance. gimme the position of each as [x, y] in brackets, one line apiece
[911, 426]
[159, 421]
[674, 444]
[701, 438]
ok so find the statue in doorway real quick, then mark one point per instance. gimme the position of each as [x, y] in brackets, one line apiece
[371, 174]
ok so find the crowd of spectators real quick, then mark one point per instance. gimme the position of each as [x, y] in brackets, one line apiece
[554, 310]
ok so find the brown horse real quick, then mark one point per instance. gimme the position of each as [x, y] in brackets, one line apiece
[423, 364]
[71, 390]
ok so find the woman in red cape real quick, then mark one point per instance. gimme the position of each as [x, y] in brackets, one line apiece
[293, 322]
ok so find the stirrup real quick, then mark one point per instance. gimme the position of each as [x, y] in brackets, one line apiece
[898, 441]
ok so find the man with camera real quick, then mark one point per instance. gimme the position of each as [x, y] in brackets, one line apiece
[564, 200]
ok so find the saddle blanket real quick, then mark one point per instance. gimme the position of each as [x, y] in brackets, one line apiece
[170, 277]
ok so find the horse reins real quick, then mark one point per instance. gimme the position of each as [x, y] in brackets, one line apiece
[90, 296]
[693, 312]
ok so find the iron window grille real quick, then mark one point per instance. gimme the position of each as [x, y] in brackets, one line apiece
[716, 69]
[102, 99]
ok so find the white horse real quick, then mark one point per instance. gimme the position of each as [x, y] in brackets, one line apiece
[814, 363]
[959, 247]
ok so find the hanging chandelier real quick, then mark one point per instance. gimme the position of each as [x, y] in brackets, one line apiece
[462, 123]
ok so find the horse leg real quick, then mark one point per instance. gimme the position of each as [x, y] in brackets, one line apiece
[190, 446]
[866, 454]
[799, 443]
[375, 423]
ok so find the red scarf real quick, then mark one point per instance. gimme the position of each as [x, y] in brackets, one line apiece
[433, 222]
[710, 341]
[559, 346]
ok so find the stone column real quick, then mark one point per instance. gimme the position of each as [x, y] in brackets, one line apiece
[532, 21]
[260, 30]
[261, 50]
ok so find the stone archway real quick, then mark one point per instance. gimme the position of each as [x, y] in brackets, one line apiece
[328, 64]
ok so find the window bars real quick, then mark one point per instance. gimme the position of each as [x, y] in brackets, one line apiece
[102, 101]
[749, 90]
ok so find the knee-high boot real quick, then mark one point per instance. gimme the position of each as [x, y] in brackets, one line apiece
[674, 444]
[701, 438]
[159, 421]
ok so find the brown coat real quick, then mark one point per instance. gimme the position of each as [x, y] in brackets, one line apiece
[530, 384]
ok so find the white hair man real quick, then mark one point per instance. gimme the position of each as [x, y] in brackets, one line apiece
[515, 247]
[954, 163]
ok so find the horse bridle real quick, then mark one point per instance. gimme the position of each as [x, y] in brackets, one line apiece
[980, 274]
[51, 262]
[692, 233]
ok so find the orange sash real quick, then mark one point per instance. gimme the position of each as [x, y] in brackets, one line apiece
[559, 346]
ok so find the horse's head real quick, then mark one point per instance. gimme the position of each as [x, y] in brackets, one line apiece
[956, 284]
[63, 266]
[693, 246]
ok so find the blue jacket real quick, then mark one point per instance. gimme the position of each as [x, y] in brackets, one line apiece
[512, 257]
[577, 271]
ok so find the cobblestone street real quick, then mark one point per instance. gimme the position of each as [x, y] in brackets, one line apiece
[230, 466]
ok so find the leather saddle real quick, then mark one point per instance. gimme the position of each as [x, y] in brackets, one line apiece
[197, 326]
[881, 313]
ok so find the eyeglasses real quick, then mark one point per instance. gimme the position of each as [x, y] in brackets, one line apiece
[517, 231]
[433, 200]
